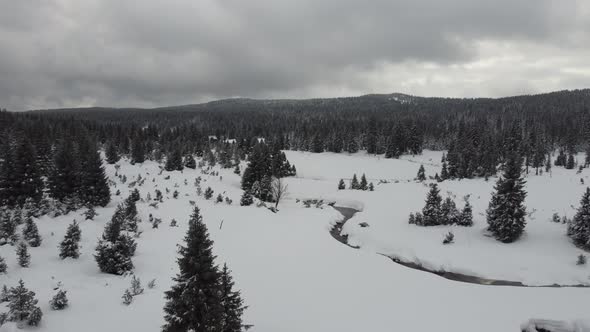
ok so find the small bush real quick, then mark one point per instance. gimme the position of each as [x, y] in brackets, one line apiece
[581, 260]
[449, 238]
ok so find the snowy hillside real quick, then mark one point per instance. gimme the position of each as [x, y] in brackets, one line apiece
[295, 277]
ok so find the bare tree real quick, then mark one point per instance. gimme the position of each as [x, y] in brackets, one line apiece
[278, 190]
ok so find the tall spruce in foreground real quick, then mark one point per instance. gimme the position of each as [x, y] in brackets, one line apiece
[579, 227]
[22, 255]
[23, 305]
[194, 303]
[69, 247]
[233, 305]
[506, 212]
[63, 180]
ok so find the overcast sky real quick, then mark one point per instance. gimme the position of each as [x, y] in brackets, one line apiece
[68, 53]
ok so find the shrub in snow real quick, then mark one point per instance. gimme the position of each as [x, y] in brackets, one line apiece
[156, 222]
[341, 185]
[90, 213]
[59, 300]
[228, 201]
[449, 238]
[208, 193]
[555, 218]
[23, 305]
[579, 227]
[371, 187]
[581, 260]
[135, 288]
[7, 227]
[2, 265]
[173, 223]
[151, 284]
[31, 233]
[22, 255]
[69, 245]
[219, 199]
[3, 318]
[412, 219]
[247, 198]
[4, 295]
[175, 194]
[127, 297]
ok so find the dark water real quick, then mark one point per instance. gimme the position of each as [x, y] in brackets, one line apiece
[348, 213]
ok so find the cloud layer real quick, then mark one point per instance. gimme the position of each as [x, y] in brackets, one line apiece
[66, 53]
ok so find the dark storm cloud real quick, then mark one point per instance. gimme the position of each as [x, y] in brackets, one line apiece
[156, 52]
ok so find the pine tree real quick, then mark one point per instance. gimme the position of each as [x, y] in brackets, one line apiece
[363, 185]
[219, 199]
[449, 212]
[7, 175]
[90, 213]
[355, 183]
[246, 199]
[137, 150]
[189, 162]
[174, 161]
[233, 305]
[421, 174]
[111, 153]
[31, 233]
[114, 250]
[63, 180]
[127, 297]
[431, 212]
[7, 227]
[341, 185]
[579, 228]
[506, 212]
[466, 217]
[194, 302]
[3, 265]
[371, 187]
[571, 163]
[23, 305]
[59, 300]
[22, 255]
[69, 247]
[444, 173]
[27, 177]
[94, 189]
[208, 193]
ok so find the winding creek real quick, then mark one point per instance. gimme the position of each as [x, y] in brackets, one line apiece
[348, 213]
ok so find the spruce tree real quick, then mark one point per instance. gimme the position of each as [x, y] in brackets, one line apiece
[208, 193]
[59, 300]
[64, 180]
[137, 150]
[449, 212]
[7, 175]
[31, 233]
[22, 255]
[3, 265]
[174, 161]
[27, 177]
[94, 189]
[7, 226]
[363, 185]
[23, 305]
[246, 199]
[506, 212]
[194, 303]
[233, 305]
[341, 185]
[354, 184]
[111, 153]
[444, 173]
[579, 228]
[466, 217]
[189, 162]
[69, 247]
[421, 176]
[431, 213]
[115, 249]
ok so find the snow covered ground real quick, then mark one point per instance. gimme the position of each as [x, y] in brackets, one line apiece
[296, 277]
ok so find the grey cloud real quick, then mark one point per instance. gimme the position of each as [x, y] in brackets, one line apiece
[156, 52]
